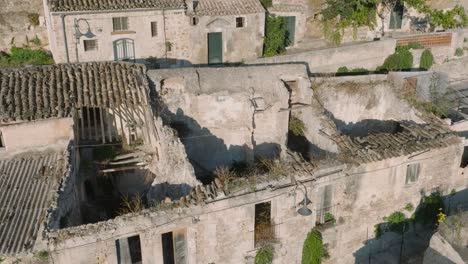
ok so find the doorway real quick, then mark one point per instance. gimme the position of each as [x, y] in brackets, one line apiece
[124, 50]
[291, 26]
[215, 48]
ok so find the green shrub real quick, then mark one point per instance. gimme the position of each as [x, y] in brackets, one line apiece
[33, 19]
[329, 218]
[30, 56]
[409, 207]
[429, 209]
[377, 231]
[427, 60]
[264, 255]
[459, 52]
[415, 45]
[276, 36]
[359, 70]
[36, 41]
[296, 126]
[397, 222]
[313, 250]
[342, 69]
[266, 3]
[42, 255]
[402, 59]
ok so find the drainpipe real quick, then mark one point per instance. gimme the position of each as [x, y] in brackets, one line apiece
[164, 27]
[65, 37]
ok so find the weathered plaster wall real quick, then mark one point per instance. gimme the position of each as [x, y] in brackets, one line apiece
[366, 55]
[239, 44]
[31, 135]
[219, 232]
[363, 195]
[171, 24]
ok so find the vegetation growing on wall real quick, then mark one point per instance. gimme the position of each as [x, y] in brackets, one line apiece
[427, 60]
[33, 19]
[265, 255]
[276, 36]
[296, 126]
[454, 18]
[428, 211]
[20, 57]
[313, 250]
[341, 14]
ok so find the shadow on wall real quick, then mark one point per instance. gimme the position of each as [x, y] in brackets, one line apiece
[367, 126]
[405, 238]
[204, 150]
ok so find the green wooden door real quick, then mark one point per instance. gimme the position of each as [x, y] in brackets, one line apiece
[215, 47]
[291, 25]
[396, 16]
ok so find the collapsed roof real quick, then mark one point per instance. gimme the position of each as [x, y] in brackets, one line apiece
[54, 91]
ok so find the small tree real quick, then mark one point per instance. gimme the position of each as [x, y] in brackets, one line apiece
[264, 255]
[427, 60]
[313, 250]
[276, 36]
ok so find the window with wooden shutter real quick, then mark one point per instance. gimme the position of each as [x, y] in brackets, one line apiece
[154, 29]
[90, 44]
[120, 23]
[174, 245]
[240, 21]
[412, 173]
[128, 250]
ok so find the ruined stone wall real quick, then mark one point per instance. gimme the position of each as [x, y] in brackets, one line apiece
[239, 44]
[15, 27]
[363, 195]
[32, 135]
[355, 103]
[224, 115]
[218, 232]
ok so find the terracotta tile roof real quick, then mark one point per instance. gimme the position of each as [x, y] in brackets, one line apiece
[54, 91]
[27, 186]
[91, 5]
[228, 7]
[409, 140]
[287, 8]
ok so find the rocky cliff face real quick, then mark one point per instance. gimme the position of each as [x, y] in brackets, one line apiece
[20, 22]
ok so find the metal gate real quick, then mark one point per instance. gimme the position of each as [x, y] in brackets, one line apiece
[124, 50]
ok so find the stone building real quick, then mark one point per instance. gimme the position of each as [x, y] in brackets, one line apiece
[163, 32]
[55, 122]
[304, 152]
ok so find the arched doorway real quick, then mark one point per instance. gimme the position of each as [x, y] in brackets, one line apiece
[124, 50]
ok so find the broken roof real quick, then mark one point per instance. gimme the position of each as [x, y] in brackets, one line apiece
[54, 91]
[228, 7]
[27, 185]
[410, 139]
[93, 5]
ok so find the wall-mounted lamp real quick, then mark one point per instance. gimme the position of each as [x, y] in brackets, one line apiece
[304, 211]
[81, 24]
